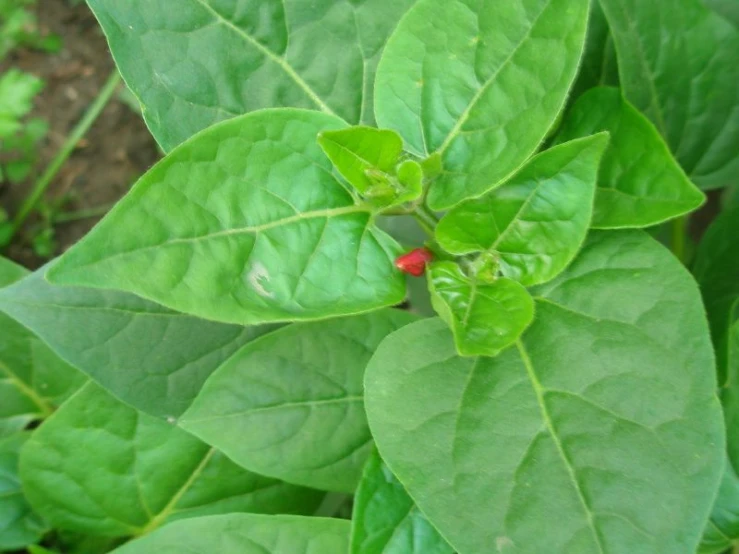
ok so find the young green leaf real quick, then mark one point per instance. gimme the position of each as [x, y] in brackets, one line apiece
[356, 150]
[639, 184]
[410, 178]
[20, 526]
[453, 84]
[687, 85]
[485, 317]
[604, 415]
[246, 56]
[386, 521]
[100, 467]
[154, 359]
[274, 401]
[246, 534]
[536, 222]
[245, 223]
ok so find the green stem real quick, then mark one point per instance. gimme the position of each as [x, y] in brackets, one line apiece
[426, 219]
[679, 234]
[68, 217]
[30, 202]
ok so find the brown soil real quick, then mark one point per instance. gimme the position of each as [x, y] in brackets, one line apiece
[115, 151]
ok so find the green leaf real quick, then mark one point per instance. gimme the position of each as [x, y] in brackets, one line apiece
[33, 380]
[246, 534]
[687, 85]
[154, 359]
[640, 184]
[452, 83]
[599, 432]
[485, 317]
[20, 526]
[717, 271]
[536, 222]
[727, 8]
[356, 150]
[599, 66]
[290, 405]
[10, 272]
[723, 526]
[17, 90]
[246, 56]
[385, 519]
[100, 467]
[256, 229]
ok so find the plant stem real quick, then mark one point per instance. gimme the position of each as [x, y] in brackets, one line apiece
[679, 232]
[68, 217]
[39, 188]
[426, 219]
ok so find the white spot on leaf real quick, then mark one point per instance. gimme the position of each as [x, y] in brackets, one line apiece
[258, 277]
[501, 543]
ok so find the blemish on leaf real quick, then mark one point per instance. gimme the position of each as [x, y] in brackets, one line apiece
[258, 277]
[502, 543]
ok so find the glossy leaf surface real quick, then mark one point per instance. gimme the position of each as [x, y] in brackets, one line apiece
[290, 404]
[246, 534]
[386, 521]
[536, 222]
[151, 357]
[20, 526]
[256, 229]
[356, 150]
[639, 184]
[485, 318]
[100, 467]
[450, 82]
[604, 415]
[687, 85]
[215, 59]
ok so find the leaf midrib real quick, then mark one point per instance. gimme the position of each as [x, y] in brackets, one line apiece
[468, 110]
[279, 60]
[539, 392]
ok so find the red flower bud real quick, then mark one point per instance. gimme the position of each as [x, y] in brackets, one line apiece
[414, 262]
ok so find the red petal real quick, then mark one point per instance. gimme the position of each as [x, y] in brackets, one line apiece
[414, 262]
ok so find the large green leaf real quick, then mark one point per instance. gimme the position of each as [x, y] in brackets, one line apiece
[246, 534]
[717, 271]
[535, 223]
[600, 432]
[20, 526]
[245, 223]
[640, 184]
[100, 467]
[148, 356]
[677, 61]
[485, 317]
[479, 83]
[213, 59]
[386, 521]
[290, 404]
